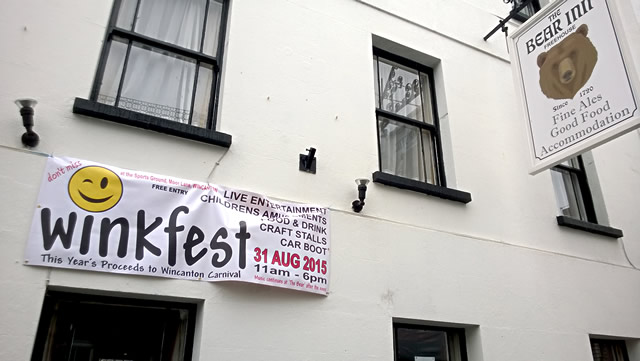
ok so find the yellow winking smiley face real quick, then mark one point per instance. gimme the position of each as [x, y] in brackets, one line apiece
[95, 189]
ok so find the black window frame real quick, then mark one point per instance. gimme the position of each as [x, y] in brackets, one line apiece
[53, 297]
[440, 189]
[93, 108]
[609, 342]
[584, 189]
[534, 6]
[589, 222]
[434, 129]
[450, 332]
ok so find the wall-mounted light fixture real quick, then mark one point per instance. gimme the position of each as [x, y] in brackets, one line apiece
[308, 161]
[362, 192]
[517, 7]
[30, 138]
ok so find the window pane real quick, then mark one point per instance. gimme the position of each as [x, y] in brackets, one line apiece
[426, 98]
[429, 152]
[455, 350]
[177, 22]
[569, 194]
[400, 88]
[112, 71]
[406, 151]
[158, 83]
[213, 28]
[203, 96]
[376, 83]
[415, 344]
[126, 14]
[572, 162]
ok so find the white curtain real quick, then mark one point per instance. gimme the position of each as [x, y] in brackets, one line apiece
[562, 200]
[401, 150]
[177, 22]
[158, 84]
[161, 83]
[179, 343]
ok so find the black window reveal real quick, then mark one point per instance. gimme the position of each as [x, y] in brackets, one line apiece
[96, 328]
[426, 343]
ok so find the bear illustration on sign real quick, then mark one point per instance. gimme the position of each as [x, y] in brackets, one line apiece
[568, 65]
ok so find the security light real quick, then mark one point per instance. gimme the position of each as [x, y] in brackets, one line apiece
[362, 191]
[30, 138]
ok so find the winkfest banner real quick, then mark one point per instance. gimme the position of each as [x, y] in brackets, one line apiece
[95, 217]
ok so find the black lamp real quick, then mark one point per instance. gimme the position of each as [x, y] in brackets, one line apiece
[362, 192]
[30, 138]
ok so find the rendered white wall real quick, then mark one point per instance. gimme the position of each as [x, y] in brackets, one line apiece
[298, 73]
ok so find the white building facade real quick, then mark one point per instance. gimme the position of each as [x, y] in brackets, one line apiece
[457, 254]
